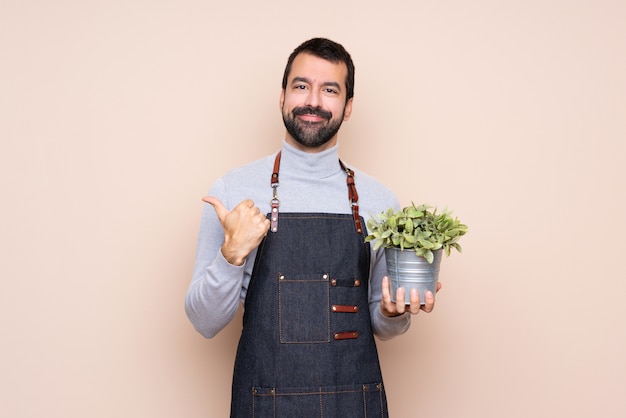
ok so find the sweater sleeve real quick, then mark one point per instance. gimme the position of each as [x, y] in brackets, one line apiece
[384, 327]
[216, 287]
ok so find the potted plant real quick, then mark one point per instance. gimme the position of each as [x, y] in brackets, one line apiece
[414, 239]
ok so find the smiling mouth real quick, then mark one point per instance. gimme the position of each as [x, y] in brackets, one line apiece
[311, 115]
[311, 118]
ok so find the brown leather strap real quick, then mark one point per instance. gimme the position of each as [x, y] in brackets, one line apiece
[345, 308]
[276, 168]
[347, 335]
[275, 203]
[353, 196]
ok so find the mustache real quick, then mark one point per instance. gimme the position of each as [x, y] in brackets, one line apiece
[310, 110]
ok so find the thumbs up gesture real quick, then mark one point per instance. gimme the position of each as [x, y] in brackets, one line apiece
[244, 228]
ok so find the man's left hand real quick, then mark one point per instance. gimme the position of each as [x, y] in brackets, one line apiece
[398, 307]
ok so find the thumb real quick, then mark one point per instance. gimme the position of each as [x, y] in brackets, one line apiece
[219, 207]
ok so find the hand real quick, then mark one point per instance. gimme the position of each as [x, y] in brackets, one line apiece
[398, 307]
[244, 228]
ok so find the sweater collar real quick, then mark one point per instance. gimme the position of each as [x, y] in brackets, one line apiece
[313, 165]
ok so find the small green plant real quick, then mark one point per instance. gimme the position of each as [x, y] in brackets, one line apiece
[416, 227]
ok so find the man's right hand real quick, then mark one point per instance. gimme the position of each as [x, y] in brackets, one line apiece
[244, 228]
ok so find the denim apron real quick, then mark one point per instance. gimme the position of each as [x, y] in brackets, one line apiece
[307, 348]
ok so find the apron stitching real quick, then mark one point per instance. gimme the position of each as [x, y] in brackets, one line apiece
[364, 401]
[346, 280]
[280, 327]
[321, 405]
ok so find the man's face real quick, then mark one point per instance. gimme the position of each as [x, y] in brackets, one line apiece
[313, 103]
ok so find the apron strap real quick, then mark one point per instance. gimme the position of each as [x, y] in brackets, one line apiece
[353, 196]
[275, 203]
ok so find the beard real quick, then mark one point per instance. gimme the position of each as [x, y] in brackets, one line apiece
[311, 134]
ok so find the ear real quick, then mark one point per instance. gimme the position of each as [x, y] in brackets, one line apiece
[348, 109]
[281, 101]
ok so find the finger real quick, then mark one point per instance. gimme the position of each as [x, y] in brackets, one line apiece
[266, 226]
[415, 306]
[264, 223]
[438, 286]
[387, 306]
[400, 304]
[386, 291]
[430, 302]
[247, 205]
[219, 207]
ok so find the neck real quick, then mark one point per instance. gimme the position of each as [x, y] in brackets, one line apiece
[318, 164]
[311, 150]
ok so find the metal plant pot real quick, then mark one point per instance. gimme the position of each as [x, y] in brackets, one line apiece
[410, 271]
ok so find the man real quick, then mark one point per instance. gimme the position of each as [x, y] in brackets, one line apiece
[285, 235]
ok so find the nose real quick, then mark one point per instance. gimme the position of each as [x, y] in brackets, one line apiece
[313, 98]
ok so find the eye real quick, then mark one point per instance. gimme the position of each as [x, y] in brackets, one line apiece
[330, 90]
[299, 87]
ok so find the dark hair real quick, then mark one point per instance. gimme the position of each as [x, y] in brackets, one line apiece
[328, 50]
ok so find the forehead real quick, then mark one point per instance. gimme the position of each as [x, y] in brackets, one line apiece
[317, 69]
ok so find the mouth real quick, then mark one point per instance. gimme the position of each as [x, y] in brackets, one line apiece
[310, 118]
[311, 115]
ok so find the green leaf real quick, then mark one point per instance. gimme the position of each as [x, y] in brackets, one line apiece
[408, 227]
[416, 227]
[425, 244]
[395, 240]
[410, 238]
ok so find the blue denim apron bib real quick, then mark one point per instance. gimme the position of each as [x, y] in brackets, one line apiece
[307, 348]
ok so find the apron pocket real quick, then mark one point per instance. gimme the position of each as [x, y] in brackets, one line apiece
[352, 401]
[304, 308]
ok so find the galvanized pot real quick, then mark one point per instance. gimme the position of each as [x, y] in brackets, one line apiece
[410, 271]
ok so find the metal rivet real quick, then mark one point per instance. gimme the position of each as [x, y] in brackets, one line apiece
[274, 229]
[325, 277]
[281, 277]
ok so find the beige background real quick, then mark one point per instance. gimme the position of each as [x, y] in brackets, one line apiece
[116, 116]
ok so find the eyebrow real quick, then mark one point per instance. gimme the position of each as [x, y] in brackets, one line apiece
[325, 84]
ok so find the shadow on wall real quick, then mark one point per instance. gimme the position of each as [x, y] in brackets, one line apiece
[211, 362]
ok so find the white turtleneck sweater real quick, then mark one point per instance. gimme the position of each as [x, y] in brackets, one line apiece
[309, 182]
